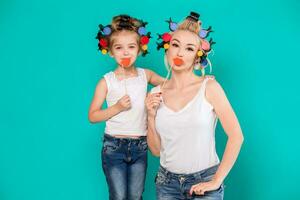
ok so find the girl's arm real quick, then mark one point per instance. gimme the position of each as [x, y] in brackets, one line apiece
[153, 78]
[217, 98]
[96, 114]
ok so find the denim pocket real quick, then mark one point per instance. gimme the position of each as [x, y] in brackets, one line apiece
[143, 146]
[209, 178]
[110, 146]
[160, 178]
[216, 192]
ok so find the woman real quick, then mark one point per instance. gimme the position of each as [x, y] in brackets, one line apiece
[182, 116]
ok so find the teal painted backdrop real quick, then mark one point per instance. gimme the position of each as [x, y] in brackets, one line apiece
[49, 66]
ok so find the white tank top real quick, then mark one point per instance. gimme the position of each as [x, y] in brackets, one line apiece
[188, 135]
[132, 121]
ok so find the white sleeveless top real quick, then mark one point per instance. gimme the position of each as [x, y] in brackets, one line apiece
[132, 121]
[188, 135]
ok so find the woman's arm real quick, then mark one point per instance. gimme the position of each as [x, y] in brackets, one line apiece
[96, 114]
[217, 98]
[152, 103]
[153, 78]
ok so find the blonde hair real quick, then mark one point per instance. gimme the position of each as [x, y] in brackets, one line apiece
[190, 25]
[187, 24]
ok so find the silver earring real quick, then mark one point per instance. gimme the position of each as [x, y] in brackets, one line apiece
[197, 66]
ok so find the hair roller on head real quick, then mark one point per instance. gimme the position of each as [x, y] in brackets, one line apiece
[205, 44]
[120, 23]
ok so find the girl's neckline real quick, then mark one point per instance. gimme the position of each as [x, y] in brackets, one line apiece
[131, 77]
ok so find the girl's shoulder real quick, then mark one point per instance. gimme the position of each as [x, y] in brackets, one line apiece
[156, 89]
[108, 79]
[142, 70]
[108, 75]
[149, 73]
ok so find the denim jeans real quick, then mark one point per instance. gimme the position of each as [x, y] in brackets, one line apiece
[171, 186]
[124, 162]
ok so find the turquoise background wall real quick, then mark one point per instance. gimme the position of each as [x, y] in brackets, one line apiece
[49, 66]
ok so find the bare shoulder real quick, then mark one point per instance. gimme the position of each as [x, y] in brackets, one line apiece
[214, 90]
[101, 85]
[156, 89]
[148, 72]
[212, 84]
[102, 81]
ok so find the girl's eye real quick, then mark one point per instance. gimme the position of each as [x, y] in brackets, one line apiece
[175, 45]
[131, 47]
[118, 48]
[190, 49]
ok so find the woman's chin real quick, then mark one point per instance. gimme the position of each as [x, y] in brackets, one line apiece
[178, 67]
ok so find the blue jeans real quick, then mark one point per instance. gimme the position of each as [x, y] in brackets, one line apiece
[171, 186]
[124, 162]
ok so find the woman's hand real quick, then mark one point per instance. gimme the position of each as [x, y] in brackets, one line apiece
[124, 103]
[152, 103]
[201, 188]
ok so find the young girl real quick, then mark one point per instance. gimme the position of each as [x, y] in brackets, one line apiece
[181, 127]
[124, 152]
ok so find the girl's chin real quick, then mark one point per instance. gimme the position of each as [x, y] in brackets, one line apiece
[127, 67]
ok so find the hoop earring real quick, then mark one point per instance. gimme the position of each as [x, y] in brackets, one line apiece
[197, 66]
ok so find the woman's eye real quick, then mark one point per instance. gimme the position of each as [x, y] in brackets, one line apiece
[175, 45]
[190, 49]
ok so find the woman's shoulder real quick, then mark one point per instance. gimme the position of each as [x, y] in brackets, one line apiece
[212, 83]
[214, 90]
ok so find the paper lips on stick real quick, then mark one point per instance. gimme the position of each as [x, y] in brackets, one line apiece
[125, 62]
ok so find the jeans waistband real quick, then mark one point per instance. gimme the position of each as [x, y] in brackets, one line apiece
[201, 174]
[125, 140]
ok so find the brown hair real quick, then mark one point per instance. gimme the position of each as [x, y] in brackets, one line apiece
[123, 23]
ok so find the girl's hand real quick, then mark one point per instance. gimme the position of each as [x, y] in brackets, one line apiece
[201, 188]
[152, 103]
[124, 103]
